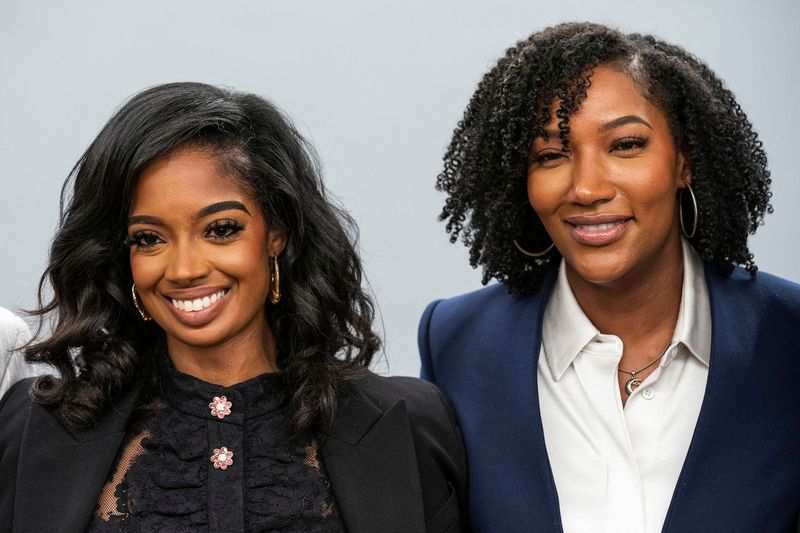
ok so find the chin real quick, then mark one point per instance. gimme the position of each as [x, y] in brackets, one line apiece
[205, 337]
[599, 270]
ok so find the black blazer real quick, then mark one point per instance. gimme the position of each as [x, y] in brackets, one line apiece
[394, 457]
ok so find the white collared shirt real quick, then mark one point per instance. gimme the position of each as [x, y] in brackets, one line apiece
[615, 469]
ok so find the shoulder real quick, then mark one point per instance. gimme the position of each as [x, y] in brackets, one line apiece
[423, 399]
[446, 321]
[494, 295]
[761, 294]
[437, 443]
[430, 413]
[461, 338]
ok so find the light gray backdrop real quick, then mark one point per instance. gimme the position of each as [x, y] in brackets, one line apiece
[377, 87]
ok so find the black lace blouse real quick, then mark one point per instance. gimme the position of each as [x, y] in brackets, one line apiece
[217, 459]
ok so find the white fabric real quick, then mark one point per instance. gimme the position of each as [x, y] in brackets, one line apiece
[13, 333]
[615, 469]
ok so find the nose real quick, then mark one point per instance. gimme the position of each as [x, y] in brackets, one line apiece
[591, 181]
[185, 264]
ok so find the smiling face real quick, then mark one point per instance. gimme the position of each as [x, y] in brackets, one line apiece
[200, 251]
[610, 202]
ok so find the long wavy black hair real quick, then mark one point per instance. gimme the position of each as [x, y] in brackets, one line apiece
[101, 347]
[486, 163]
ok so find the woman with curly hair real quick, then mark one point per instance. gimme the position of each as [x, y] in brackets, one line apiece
[630, 372]
[213, 340]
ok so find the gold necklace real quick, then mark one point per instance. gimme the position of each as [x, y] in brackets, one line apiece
[633, 382]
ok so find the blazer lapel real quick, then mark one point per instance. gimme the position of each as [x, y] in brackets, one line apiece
[63, 471]
[370, 459]
[517, 434]
[727, 396]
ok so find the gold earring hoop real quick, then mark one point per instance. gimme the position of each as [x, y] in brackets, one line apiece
[274, 281]
[139, 307]
[688, 234]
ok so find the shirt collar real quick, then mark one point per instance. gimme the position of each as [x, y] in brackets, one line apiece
[693, 328]
[566, 330]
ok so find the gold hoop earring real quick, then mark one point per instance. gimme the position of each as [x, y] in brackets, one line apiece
[274, 281]
[139, 306]
[688, 234]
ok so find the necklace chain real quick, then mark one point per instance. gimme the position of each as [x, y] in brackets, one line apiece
[633, 382]
[645, 367]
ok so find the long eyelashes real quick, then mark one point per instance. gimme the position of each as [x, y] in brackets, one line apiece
[623, 146]
[628, 144]
[143, 239]
[218, 231]
[223, 230]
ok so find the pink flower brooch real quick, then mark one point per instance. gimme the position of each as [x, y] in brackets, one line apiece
[222, 458]
[220, 407]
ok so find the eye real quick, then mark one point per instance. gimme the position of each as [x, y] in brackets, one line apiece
[628, 144]
[550, 158]
[222, 230]
[144, 239]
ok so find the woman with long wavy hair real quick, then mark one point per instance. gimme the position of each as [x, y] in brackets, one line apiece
[212, 341]
[631, 371]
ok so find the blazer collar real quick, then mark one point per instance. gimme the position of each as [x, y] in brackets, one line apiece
[65, 469]
[731, 355]
[370, 460]
[733, 350]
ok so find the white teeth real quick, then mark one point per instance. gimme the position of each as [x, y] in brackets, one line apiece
[596, 227]
[199, 303]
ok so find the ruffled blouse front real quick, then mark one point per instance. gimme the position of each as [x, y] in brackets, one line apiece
[217, 459]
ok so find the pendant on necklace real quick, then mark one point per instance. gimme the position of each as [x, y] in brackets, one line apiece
[632, 384]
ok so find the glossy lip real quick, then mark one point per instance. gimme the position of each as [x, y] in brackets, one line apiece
[196, 319]
[597, 237]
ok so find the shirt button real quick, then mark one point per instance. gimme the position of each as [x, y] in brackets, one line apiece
[648, 394]
[222, 458]
[220, 407]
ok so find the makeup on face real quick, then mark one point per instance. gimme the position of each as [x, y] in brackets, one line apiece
[608, 199]
[199, 250]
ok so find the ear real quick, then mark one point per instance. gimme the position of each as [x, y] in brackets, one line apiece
[276, 240]
[682, 171]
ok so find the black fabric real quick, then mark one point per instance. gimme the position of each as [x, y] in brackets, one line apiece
[394, 457]
[172, 485]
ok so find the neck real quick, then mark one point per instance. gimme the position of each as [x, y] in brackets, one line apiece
[640, 309]
[248, 354]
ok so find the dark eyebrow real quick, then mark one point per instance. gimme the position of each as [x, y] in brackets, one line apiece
[208, 210]
[616, 123]
[621, 121]
[145, 219]
[221, 206]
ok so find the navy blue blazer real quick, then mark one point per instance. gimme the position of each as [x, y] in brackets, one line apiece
[742, 470]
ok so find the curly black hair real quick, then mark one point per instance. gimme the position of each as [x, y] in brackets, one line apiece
[486, 163]
[100, 346]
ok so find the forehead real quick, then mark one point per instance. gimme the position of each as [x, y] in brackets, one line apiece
[612, 94]
[186, 178]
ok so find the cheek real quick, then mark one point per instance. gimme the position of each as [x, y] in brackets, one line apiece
[145, 271]
[544, 194]
[656, 196]
[247, 263]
